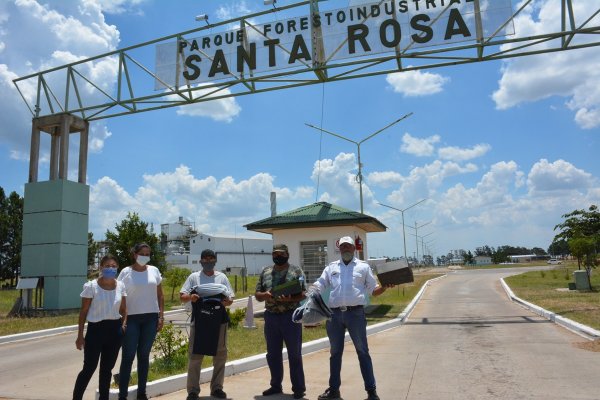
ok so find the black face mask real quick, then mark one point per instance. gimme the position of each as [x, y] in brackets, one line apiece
[280, 260]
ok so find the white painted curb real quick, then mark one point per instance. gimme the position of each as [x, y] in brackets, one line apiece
[178, 382]
[580, 329]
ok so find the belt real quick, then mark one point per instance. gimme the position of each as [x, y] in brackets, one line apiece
[346, 308]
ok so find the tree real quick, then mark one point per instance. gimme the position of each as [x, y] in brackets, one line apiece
[580, 223]
[499, 255]
[538, 251]
[127, 233]
[559, 247]
[468, 257]
[584, 248]
[11, 228]
[175, 278]
[92, 249]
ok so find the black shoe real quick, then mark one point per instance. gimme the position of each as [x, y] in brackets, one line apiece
[218, 393]
[272, 390]
[299, 395]
[142, 396]
[192, 396]
[372, 395]
[329, 394]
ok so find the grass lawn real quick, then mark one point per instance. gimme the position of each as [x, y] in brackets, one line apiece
[12, 325]
[540, 288]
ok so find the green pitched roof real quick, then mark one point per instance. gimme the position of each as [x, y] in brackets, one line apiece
[317, 215]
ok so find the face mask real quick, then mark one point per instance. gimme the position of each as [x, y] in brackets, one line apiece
[208, 266]
[347, 256]
[142, 260]
[280, 260]
[108, 272]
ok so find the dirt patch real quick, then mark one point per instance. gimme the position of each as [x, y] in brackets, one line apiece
[589, 346]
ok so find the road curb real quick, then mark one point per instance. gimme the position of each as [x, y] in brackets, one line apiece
[178, 382]
[57, 331]
[575, 327]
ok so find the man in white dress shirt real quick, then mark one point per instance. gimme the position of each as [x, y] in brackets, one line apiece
[351, 282]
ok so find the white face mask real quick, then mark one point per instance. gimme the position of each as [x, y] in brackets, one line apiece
[142, 260]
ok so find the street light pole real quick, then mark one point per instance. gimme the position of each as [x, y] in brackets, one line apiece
[402, 212]
[417, 235]
[359, 176]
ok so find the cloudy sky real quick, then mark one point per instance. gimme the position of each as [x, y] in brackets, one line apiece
[500, 150]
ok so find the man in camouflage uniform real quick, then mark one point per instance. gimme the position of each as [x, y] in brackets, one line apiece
[279, 327]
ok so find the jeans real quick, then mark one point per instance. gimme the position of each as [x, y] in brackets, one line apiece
[279, 329]
[139, 337]
[354, 320]
[102, 342]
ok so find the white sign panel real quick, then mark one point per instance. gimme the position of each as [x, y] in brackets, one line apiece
[359, 31]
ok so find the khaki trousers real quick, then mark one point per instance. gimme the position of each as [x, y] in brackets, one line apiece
[195, 363]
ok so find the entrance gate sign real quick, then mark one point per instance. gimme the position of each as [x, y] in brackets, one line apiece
[305, 41]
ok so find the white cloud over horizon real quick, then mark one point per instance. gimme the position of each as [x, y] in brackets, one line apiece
[416, 83]
[568, 74]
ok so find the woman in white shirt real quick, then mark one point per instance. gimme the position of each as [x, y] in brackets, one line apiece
[145, 306]
[103, 306]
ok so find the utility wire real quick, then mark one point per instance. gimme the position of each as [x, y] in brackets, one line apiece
[320, 140]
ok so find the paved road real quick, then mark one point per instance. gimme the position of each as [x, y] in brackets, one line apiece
[464, 340]
[46, 368]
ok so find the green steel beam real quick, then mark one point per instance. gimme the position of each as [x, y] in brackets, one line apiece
[142, 100]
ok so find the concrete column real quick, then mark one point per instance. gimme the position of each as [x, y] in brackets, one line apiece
[83, 149]
[54, 152]
[34, 153]
[65, 130]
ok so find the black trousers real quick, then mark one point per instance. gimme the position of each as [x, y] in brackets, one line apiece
[102, 342]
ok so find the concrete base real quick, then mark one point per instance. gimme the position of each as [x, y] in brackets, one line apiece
[55, 226]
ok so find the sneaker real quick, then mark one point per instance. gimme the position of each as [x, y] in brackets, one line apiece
[142, 396]
[372, 395]
[330, 394]
[272, 390]
[299, 395]
[218, 393]
[192, 396]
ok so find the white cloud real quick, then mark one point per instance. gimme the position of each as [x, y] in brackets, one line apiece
[229, 11]
[337, 181]
[217, 205]
[385, 179]
[460, 154]
[559, 175]
[117, 6]
[53, 38]
[424, 181]
[418, 147]
[416, 83]
[570, 74]
[219, 110]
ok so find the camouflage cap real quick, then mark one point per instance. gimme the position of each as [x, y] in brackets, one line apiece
[280, 247]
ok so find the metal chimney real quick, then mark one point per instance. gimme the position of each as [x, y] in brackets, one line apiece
[273, 204]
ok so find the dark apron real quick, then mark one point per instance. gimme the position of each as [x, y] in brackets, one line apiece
[208, 314]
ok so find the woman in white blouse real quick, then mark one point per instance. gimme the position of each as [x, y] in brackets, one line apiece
[103, 305]
[145, 306]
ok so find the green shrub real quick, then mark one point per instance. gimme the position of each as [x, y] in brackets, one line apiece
[543, 274]
[169, 343]
[236, 316]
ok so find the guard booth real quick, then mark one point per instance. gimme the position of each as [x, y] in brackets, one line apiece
[312, 233]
